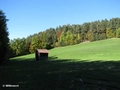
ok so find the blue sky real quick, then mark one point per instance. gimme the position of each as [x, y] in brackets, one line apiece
[27, 17]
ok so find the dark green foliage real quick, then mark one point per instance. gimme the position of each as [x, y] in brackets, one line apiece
[102, 36]
[27, 44]
[62, 43]
[51, 37]
[103, 26]
[84, 29]
[19, 47]
[4, 40]
[118, 33]
[118, 23]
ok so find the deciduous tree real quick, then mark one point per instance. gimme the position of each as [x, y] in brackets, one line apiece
[110, 33]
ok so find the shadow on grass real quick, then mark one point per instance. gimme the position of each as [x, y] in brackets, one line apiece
[61, 74]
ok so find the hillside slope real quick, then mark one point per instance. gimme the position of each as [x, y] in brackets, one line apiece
[101, 50]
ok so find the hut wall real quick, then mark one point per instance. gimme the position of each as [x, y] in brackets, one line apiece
[41, 54]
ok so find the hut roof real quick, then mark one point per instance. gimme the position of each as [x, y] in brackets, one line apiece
[42, 50]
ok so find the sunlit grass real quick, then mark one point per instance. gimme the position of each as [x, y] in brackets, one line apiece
[99, 50]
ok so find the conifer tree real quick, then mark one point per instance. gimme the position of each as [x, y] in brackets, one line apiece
[4, 40]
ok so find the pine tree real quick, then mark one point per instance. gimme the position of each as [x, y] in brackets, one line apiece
[4, 40]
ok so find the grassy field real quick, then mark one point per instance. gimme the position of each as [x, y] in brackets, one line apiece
[85, 66]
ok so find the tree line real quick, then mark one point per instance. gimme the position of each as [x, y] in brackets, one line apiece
[66, 35]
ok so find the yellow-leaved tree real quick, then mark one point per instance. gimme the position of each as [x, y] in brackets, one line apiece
[110, 33]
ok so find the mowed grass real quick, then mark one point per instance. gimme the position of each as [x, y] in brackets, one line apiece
[85, 66]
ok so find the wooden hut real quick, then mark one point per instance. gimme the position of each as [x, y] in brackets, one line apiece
[41, 54]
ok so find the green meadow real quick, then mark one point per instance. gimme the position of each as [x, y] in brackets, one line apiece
[85, 66]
